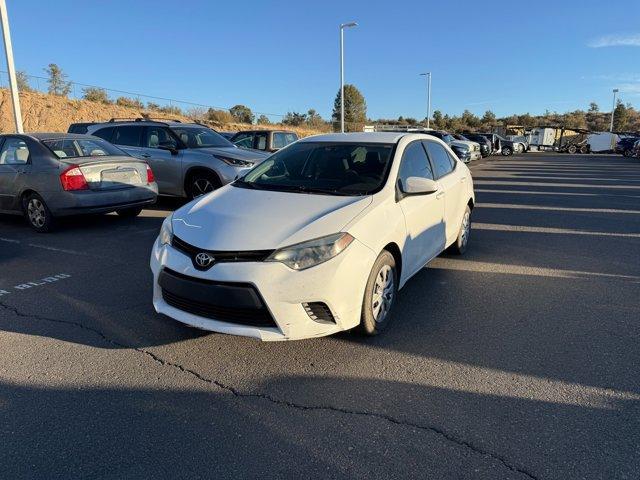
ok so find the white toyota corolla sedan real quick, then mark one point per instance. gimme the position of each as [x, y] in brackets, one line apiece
[316, 239]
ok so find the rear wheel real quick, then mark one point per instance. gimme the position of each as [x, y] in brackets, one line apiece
[584, 149]
[200, 183]
[129, 212]
[628, 153]
[38, 214]
[380, 295]
[507, 151]
[572, 149]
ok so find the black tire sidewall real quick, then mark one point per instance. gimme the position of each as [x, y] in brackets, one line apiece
[129, 212]
[368, 325]
[507, 151]
[458, 248]
[49, 222]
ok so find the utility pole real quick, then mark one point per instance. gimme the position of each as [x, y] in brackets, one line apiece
[342, 27]
[8, 50]
[428, 75]
[615, 90]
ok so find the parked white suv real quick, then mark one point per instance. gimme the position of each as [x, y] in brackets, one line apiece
[316, 239]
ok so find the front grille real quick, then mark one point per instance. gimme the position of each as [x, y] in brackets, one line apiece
[237, 303]
[220, 256]
[319, 312]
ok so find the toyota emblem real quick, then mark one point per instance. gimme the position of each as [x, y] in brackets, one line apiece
[204, 260]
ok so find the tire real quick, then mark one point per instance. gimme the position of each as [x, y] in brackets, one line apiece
[460, 245]
[627, 153]
[200, 183]
[384, 275]
[572, 149]
[38, 214]
[584, 149]
[507, 151]
[129, 212]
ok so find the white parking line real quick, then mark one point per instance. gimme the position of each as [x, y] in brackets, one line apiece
[563, 231]
[518, 206]
[55, 249]
[9, 240]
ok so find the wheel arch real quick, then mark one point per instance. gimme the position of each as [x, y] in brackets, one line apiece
[394, 250]
[198, 169]
[23, 196]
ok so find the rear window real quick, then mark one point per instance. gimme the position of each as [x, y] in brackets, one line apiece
[282, 139]
[81, 147]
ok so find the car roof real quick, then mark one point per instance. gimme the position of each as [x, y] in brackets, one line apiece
[259, 130]
[357, 137]
[57, 135]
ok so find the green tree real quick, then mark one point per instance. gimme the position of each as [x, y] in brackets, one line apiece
[294, 119]
[488, 119]
[152, 106]
[241, 114]
[57, 79]
[95, 94]
[469, 120]
[263, 120]
[437, 119]
[593, 107]
[314, 120]
[620, 117]
[22, 81]
[355, 110]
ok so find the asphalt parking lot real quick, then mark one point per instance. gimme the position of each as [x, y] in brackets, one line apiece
[519, 360]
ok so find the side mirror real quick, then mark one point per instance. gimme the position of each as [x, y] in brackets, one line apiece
[419, 186]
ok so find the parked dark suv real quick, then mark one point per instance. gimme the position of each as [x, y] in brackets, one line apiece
[265, 140]
[625, 146]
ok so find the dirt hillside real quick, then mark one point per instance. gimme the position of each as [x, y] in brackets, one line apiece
[42, 112]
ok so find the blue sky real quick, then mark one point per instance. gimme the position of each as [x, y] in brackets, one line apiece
[277, 56]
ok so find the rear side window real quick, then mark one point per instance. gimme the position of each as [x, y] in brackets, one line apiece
[81, 147]
[261, 141]
[14, 152]
[442, 162]
[415, 163]
[128, 135]
[282, 139]
[104, 133]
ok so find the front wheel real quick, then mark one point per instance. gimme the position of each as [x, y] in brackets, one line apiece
[507, 151]
[627, 153]
[201, 183]
[572, 149]
[379, 296]
[38, 214]
[460, 245]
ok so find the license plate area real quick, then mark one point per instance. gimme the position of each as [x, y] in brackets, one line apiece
[119, 177]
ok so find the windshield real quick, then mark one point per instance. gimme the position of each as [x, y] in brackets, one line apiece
[323, 168]
[82, 147]
[201, 137]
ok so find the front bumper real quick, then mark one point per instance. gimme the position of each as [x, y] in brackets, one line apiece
[99, 201]
[339, 283]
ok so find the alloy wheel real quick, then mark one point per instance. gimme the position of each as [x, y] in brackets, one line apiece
[465, 229]
[383, 291]
[201, 186]
[36, 213]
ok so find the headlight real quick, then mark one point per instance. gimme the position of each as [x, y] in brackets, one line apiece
[314, 252]
[234, 162]
[166, 231]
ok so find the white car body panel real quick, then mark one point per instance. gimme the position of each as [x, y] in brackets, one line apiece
[234, 218]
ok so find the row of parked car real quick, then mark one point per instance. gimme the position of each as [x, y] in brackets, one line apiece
[629, 146]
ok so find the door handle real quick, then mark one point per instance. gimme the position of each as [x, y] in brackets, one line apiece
[463, 179]
[439, 195]
[145, 155]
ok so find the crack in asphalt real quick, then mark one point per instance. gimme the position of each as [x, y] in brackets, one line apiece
[285, 403]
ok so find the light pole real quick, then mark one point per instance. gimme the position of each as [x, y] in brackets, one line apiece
[342, 27]
[613, 109]
[8, 50]
[428, 75]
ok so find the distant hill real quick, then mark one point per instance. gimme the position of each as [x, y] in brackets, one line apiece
[42, 112]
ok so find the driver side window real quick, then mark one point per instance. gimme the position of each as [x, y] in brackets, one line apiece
[156, 137]
[415, 163]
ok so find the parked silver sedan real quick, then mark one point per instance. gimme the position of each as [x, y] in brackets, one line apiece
[48, 175]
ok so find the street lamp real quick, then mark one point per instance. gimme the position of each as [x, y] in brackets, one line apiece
[8, 50]
[428, 75]
[615, 90]
[342, 27]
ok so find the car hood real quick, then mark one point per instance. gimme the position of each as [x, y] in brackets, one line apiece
[472, 146]
[233, 218]
[237, 153]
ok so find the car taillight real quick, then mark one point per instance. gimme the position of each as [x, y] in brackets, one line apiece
[150, 176]
[73, 179]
